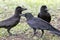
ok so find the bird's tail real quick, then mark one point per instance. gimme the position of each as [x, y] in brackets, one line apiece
[55, 31]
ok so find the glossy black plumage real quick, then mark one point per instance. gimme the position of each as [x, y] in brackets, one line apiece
[44, 14]
[12, 21]
[38, 23]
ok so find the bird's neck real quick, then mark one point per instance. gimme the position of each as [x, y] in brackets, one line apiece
[43, 11]
[29, 18]
[17, 14]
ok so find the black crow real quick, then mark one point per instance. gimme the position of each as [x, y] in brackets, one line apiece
[12, 21]
[44, 14]
[38, 23]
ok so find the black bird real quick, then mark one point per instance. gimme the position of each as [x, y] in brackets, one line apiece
[44, 14]
[38, 23]
[13, 21]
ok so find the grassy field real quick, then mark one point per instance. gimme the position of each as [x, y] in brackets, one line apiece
[7, 8]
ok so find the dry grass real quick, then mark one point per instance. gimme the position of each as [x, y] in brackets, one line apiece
[7, 8]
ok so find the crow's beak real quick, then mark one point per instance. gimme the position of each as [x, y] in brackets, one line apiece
[24, 9]
[22, 14]
[46, 9]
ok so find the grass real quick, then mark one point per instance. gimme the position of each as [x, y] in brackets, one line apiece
[7, 8]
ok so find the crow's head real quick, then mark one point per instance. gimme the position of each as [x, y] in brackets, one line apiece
[27, 15]
[44, 8]
[20, 9]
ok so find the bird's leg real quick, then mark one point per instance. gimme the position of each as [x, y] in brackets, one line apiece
[34, 31]
[9, 32]
[42, 33]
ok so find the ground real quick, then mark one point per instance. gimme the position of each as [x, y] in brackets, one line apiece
[7, 8]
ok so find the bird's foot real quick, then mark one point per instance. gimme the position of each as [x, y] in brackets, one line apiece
[53, 35]
[13, 35]
[35, 34]
[38, 34]
[41, 36]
